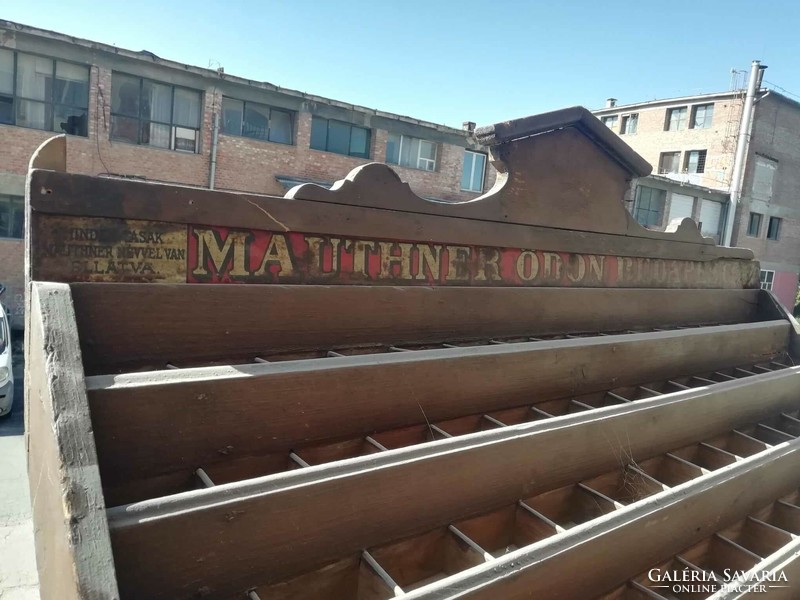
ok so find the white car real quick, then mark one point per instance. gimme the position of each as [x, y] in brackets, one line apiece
[6, 371]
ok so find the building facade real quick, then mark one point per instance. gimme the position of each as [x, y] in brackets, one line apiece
[133, 114]
[691, 143]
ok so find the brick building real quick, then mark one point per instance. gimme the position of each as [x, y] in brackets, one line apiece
[691, 143]
[133, 114]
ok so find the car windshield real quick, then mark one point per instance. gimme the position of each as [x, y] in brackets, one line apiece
[3, 332]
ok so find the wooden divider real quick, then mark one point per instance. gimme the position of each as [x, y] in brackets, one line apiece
[638, 535]
[73, 550]
[225, 413]
[322, 513]
[127, 326]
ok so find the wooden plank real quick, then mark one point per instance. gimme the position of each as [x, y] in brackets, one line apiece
[547, 569]
[73, 551]
[767, 577]
[319, 514]
[84, 196]
[196, 323]
[257, 409]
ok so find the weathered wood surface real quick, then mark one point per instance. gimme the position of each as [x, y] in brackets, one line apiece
[784, 562]
[226, 413]
[321, 513]
[73, 551]
[631, 539]
[126, 326]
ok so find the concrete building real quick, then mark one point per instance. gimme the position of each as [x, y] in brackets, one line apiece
[692, 144]
[133, 114]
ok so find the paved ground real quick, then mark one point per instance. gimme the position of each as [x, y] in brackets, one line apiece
[18, 578]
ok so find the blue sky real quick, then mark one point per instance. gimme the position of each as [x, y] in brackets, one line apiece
[450, 61]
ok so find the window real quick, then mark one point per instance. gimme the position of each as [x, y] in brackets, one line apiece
[610, 122]
[154, 114]
[43, 93]
[702, 116]
[257, 121]
[669, 162]
[649, 206]
[763, 177]
[339, 137]
[695, 161]
[766, 279]
[474, 169]
[773, 228]
[12, 216]
[754, 225]
[411, 152]
[676, 119]
[629, 124]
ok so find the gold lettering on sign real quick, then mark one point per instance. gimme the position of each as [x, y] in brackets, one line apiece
[388, 259]
[550, 259]
[527, 265]
[597, 265]
[488, 265]
[457, 267]
[576, 269]
[277, 253]
[359, 249]
[233, 251]
[431, 258]
[316, 249]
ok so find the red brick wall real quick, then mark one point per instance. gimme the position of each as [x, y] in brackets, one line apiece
[12, 257]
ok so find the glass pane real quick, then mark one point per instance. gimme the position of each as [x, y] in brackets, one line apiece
[37, 115]
[393, 149]
[633, 123]
[232, 111]
[72, 85]
[409, 151]
[34, 77]
[477, 176]
[256, 121]
[280, 126]
[466, 173]
[338, 137]
[427, 150]
[156, 102]
[6, 218]
[185, 139]
[125, 129]
[6, 72]
[125, 95]
[319, 133]
[6, 109]
[156, 134]
[358, 141]
[187, 108]
[70, 120]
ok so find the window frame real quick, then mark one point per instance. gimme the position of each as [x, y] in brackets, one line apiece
[777, 235]
[139, 119]
[292, 119]
[472, 173]
[677, 162]
[759, 220]
[625, 124]
[693, 119]
[419, 157]
[51, 102]
[668, 121]
[702, 156]
[368, 149]
[15, 203]
[611, 121]
[766, 279]
[637, 208]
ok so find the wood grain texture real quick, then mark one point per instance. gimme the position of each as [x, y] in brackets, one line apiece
[73, 550]
[84, 196]
[129, 326]
[210, 537]
[614, 548]
[226, 413]
[786, 561]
